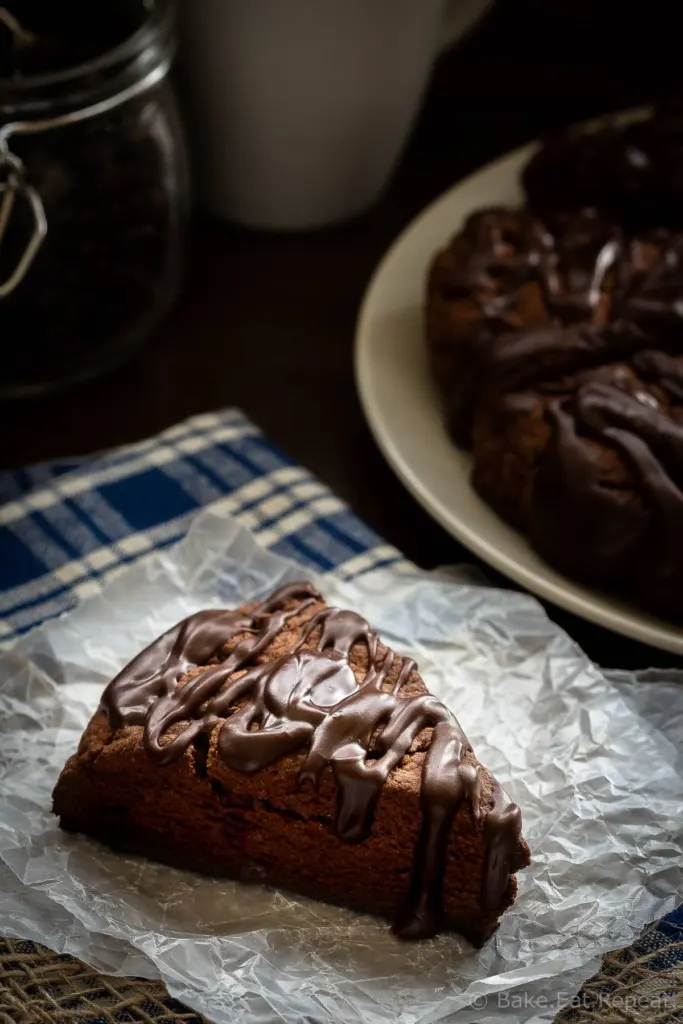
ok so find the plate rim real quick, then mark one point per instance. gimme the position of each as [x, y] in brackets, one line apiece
[584, 602]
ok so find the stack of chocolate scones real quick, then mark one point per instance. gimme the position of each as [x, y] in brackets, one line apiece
[555, 333]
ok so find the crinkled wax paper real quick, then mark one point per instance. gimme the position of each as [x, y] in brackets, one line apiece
[584, 756]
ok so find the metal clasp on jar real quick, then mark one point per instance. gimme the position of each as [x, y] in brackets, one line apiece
[13, 188]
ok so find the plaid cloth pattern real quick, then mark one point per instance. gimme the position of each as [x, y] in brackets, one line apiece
[68, 526]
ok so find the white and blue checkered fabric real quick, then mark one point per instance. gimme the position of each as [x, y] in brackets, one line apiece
[68, 526]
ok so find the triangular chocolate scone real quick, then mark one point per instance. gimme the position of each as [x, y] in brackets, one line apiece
[282, 743]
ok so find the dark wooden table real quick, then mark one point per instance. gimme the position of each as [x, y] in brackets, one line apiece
[266, 321]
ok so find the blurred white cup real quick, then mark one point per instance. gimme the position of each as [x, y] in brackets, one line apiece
[300, 108]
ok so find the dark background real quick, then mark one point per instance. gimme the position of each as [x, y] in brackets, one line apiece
[267, 321]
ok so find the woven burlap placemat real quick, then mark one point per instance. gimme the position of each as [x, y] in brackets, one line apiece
[642, 984]
[639, 985]
[38, 986]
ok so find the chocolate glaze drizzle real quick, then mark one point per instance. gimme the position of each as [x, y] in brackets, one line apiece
[630, 171]
[309, 697]
[602, 358]
[603, 297]
[534, 359]
[639, 542]
[508, 249]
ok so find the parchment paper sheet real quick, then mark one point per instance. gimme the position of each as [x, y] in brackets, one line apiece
[592, 762]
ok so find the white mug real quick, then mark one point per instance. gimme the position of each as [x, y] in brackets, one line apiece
[300, 108]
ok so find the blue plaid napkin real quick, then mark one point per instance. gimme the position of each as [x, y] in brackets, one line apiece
[68, 526]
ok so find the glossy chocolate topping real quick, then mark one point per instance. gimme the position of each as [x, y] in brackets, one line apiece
[603, 299]
[632, 172]
[508, 249]
[640, 541]
[534, 359]
[310, 698]
[661, 369]
[649, 286]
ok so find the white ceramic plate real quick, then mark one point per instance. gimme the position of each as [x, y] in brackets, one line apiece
[403, 412]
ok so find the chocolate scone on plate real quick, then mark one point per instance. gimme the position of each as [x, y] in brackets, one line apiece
[282, 743]
[591, 467]
[507, 271]
[632, 171]
[524, 320]
[499, 293]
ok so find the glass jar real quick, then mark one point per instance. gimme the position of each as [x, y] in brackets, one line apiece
[93, 188]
